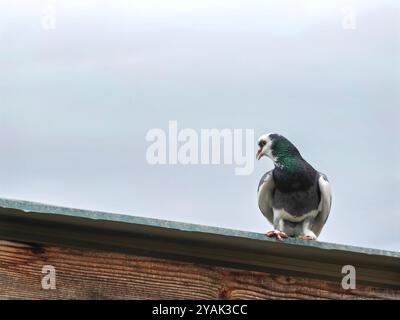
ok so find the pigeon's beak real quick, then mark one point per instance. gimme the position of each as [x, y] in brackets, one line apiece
[259, 154]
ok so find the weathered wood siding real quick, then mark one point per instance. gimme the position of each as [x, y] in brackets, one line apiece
[89, 274]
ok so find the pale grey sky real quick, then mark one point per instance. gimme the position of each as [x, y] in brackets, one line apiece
[77, 101]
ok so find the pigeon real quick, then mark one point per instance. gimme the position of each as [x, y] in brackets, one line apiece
[294, 197]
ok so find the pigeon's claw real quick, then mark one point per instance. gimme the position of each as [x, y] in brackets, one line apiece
[280, 235]
[307, 238]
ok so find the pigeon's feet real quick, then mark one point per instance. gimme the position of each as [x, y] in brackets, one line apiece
[308, 238]
[276, 234]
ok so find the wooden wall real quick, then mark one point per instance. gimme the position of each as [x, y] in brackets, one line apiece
[86, 274]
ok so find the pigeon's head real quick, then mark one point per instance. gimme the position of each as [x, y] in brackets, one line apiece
[275, 146]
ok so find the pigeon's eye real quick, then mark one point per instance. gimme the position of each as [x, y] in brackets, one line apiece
[262, 143]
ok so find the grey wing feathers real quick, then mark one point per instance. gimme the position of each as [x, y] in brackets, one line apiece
[325, 204]
[266, 189]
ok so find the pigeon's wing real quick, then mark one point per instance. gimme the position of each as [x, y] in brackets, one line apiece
[265, 193]
[324, 205]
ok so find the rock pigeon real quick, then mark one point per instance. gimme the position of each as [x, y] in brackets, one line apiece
[294, 197]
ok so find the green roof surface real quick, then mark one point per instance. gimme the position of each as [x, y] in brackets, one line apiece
[39, 208]
[42, 224]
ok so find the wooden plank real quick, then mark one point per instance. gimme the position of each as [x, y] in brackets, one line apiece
[49, 225]
[128, 222]
[96, 274]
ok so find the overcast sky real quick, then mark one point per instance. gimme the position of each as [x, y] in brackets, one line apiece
[82, 82]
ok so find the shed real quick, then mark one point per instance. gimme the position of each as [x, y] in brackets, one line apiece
[97, 255]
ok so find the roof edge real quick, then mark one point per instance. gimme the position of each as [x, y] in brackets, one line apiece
[45, 224]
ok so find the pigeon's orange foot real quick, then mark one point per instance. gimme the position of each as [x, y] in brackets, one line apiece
[307, 238]
[276, 234]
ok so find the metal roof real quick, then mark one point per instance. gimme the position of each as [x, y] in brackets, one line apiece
[47, 224]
